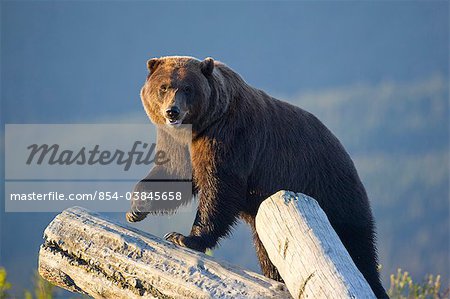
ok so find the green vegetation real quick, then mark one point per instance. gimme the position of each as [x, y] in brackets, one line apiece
[42, 288]
[4, 285]
[403, 287]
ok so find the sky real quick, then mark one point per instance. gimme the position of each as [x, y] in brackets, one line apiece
[69, 58]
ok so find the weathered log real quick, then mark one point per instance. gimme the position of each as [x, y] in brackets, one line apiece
[307, 252]
[87, 253]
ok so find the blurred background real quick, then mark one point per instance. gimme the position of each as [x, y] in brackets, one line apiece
[376, 73]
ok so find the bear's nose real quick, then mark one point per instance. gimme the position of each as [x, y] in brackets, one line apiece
[173, 112]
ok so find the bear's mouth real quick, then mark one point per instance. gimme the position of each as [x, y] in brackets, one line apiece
[174, 122]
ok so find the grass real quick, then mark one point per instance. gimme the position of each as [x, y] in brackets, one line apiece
[42, 288]
[403, 287]
[4, 284]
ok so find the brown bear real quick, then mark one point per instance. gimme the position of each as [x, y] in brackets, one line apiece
[246, 146]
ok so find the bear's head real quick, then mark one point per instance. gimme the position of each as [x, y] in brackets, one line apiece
[182, 90]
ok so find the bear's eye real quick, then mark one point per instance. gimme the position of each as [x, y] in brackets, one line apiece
[164, 88]
[187, 90]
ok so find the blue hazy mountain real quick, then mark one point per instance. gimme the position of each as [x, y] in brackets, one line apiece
[376, 73]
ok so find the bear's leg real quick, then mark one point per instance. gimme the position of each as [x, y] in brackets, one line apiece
[267, 268]
[359, 243]
[140, 208]
[220, 201]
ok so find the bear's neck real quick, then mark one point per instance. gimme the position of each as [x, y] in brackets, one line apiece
[229, 93]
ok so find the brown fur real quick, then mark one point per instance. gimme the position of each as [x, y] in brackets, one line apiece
[246, 146]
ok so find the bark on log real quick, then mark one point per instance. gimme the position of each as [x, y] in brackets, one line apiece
[87, 253]
[306, 250]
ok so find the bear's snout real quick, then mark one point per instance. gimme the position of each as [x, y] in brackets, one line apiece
[173, 112]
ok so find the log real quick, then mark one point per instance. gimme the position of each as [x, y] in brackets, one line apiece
[306, 250]
[87, 253]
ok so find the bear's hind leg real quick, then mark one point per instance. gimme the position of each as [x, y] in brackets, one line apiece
[268, 269]
[359, 243]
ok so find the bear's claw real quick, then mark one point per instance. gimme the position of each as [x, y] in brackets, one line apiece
[135, 216]
[191, 242]
[175, 238]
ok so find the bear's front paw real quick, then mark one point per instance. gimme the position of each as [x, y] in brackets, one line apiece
[140, 206]
[175, 238]
[183, 241]
[135, 216]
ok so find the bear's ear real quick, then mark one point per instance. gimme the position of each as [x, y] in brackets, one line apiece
[207, 66]
[152, 64]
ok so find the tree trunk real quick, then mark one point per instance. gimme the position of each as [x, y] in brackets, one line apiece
[87, 253]
[306, 250]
